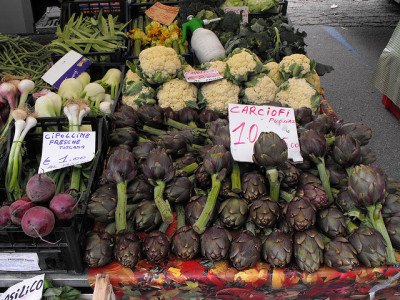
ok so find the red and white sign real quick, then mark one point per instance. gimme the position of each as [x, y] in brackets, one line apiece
[164, 14]
[202, 76]
[246, 122]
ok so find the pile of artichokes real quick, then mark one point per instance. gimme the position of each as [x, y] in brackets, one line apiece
[336, 208]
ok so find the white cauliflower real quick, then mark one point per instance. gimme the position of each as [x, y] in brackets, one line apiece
[297, 92]
[295, 65]
[218, 94]
[260, 90]
[136, 93]
[314, 79]
[132, 76]
[175, 93]
[241, 64]
[187, 68]
[159, 64]
[273, 72]
[218, 65]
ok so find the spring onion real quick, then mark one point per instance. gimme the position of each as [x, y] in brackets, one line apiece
[70, 88]
[95, 93]
[24, 121]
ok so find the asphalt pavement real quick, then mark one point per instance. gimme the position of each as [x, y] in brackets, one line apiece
[350, 35]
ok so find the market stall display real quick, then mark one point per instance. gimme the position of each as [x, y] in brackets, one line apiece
[164, 208]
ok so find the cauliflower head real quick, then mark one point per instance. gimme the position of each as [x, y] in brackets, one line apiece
[273, 72]
[187, 68]
[136, 93]
[297, 92]
[218, 94]
[132, 76]
[177, 94]
[315, 81]
[296, 65]
[218, 65]
[260, 90]
[159, 64]
[241, 64]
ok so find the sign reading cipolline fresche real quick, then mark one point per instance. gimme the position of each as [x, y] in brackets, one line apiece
[63, 149]
[246, 122]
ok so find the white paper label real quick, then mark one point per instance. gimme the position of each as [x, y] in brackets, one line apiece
[28, 289]
[238, 9]
[246, 122]
[19, 262]
[63, 149]
[71, 65]
[202, 76]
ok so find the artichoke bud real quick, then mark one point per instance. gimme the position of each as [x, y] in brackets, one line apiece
[253, 185]
[217, 160]
[245, 251]
[123, 136]
[367, 185]
[156, 246]
[151, 115]
[270, 151]
[277, 249]
[185, 243]
[179, 190]
[121, 166]
[99, 249]
[233, 212]
[359, 131]
[215, 243]
[346, 151]
[313, 145]
[264, 212]
[127, 250]
[340, 255]
[141, 151]
[158, 166]
[173, 142]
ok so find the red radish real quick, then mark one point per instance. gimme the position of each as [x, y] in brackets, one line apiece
[40, 188]
[38, 222]
[63, 206]
[5, 217]
[19, 208]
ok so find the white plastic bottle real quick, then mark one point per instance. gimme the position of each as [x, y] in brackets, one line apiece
[205, 44]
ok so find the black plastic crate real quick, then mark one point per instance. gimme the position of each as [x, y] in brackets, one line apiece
[67, 252]
[92, 9]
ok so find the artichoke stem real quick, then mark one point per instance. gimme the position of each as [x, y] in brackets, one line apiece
[120, 210]
[189, 169]
[374, 214]
[200, 225]
[194, 147]
[350, 226]
[323, 175]
[153, 131]
[162, 205]
[163, 227]
[180, 211]
[286, 195]
[274, 183]
[330, 140]
[235, 178]
[177, 125]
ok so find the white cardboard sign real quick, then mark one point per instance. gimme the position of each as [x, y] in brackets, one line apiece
[63, 149]
[246, 122]
[19, 262]
[28, 289]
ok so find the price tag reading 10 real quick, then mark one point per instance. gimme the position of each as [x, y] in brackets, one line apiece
[246, 122]
[63, 149]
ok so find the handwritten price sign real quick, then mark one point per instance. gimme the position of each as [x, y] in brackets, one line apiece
[202, 76]
[246, 122]
[63, 149]
[238, 9]
[162, 13]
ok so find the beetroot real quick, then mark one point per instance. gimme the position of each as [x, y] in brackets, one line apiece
[40, 188]
[19, 208]
[5, 217]
[38, 222]
[63, 206]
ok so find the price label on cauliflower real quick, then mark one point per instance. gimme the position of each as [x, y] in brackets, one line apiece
[63, 149]
[246, 122]
[202, 76]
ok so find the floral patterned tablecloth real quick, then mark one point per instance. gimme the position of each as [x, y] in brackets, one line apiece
[199, 279]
